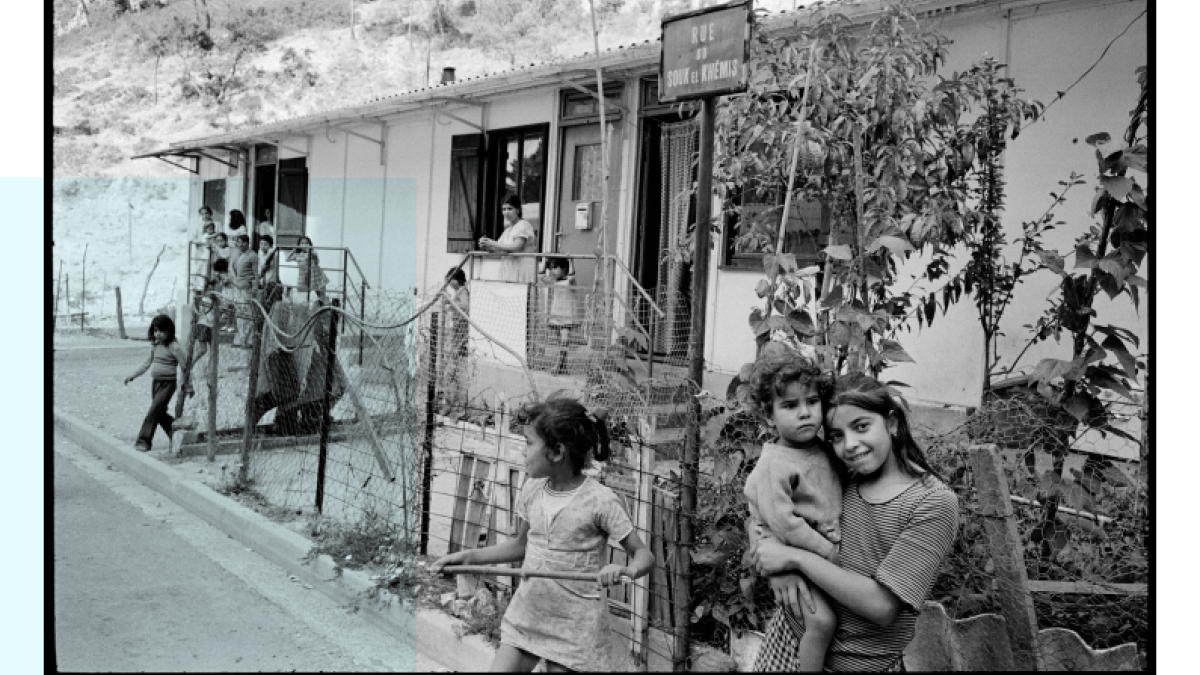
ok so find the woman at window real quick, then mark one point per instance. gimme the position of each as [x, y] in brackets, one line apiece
[518, 237]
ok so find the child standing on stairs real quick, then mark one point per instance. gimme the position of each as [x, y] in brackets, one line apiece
[164, 361]
[567, 519]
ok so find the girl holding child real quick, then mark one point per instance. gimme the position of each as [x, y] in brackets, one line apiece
[566, 521]
[874, 565]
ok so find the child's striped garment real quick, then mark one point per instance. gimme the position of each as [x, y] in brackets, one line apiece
[900, 543]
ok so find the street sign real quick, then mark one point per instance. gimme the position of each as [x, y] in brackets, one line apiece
[704, 52]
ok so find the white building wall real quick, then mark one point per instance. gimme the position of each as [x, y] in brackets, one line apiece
[362, 208]
[401, 239]
[326, 188]
[1047, 46]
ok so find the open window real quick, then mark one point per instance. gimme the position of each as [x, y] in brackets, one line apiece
[486, 168]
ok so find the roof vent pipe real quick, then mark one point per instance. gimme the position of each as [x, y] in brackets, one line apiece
[447, 75]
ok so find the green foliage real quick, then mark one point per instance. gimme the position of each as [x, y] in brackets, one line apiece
[1108, 258]
[373, 539]
[885, 155]
[726, 589]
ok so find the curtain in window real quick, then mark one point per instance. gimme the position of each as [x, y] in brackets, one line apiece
[679, 146]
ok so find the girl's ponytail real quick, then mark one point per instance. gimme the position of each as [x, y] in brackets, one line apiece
[560, 420]
[599, 417]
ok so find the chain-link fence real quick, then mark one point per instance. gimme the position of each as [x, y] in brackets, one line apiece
[400, 420]
[1079, 509]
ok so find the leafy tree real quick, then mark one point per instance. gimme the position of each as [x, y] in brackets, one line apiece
[885, 155]
[1108, 258]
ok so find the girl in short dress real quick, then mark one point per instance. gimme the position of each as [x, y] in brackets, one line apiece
[566, 521]
[898, 522]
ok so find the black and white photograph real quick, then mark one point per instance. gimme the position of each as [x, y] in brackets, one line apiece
[603, 335]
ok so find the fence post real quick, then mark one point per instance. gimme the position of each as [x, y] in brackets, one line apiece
[645, 514]
[430, 402]
[1008, 555]
[83, 290]
[252, 390]
[326, 413]
[121, 316]
[58, 291]
[213, 373]
[67, 292]
[362, 318]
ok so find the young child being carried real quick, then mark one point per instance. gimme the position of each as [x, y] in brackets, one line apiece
[567, 520]
[794, 491]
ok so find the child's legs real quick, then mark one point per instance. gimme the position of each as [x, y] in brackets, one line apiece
[160, 397]
[819, 628]
[510, 659]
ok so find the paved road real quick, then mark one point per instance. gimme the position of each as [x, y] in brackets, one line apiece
[140, 584]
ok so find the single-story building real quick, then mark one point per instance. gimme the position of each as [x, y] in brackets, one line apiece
[407, 183]
[403, 186]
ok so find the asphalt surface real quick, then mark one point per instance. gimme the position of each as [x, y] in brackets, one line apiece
[140, 584]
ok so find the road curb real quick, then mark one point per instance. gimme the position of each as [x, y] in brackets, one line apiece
[434, 632]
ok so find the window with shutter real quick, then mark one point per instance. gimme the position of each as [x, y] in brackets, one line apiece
[466, 184]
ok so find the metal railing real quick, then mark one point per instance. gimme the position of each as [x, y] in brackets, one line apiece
[656, 314]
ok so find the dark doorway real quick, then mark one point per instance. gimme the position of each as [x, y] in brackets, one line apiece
[264, 194]
[293, 201]
[666, 172]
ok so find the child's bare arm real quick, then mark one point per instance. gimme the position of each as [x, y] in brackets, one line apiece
[641, 561]
[142, 368]
[512, 550]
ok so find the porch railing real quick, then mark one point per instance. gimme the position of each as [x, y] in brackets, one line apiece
[632, 290]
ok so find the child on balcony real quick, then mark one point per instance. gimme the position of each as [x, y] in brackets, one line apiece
[564, 311]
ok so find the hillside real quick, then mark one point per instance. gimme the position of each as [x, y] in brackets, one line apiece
[129, 82]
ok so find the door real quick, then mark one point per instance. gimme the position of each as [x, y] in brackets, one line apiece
[665, 209]
[582, 183]
[293, 201]
[214, 198]
[264, 194]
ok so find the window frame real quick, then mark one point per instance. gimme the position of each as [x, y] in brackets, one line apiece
[614, 93]
[733, 260]
[488, 183]
[495, 161]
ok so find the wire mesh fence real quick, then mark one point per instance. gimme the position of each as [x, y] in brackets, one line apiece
[401, 419]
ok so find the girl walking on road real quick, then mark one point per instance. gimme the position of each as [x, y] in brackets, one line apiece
[898, 522]
[164, 360]
[567, 519]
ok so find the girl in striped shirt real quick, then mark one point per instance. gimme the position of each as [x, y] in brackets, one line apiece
[898, 522]
[164, 360]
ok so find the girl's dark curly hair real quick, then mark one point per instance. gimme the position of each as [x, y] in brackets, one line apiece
[565, 421]
[774, 373]
[165, 324]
